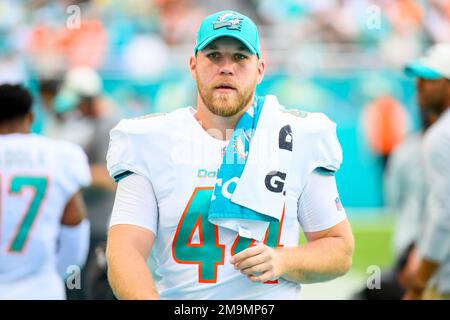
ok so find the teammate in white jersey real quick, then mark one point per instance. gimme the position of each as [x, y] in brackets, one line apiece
[43, 230]
[166, 168]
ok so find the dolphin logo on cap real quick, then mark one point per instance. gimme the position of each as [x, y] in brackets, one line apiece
[229, 20]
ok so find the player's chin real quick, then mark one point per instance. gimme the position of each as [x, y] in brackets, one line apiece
[227, 111]
[224, 112]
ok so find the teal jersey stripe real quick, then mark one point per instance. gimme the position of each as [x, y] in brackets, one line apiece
[122, 175]
[325, 171]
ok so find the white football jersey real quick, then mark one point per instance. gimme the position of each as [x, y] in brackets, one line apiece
[190, 255]
[38, 176]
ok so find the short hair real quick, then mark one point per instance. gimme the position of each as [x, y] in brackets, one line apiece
[15, 102]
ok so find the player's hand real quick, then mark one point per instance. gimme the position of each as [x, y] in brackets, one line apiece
[406, 274]
[415, 289]
[260, 263]
[412, 295]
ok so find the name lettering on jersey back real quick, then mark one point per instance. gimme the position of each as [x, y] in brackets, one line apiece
[21, 158]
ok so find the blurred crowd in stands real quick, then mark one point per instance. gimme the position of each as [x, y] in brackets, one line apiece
[91, 62]
[147, 39]
[341, 57]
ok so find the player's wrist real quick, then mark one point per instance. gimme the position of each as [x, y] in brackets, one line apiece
[282, 261]
[417, 285]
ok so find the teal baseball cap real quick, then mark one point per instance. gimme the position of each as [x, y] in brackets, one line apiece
[435, 64]
[228, 24]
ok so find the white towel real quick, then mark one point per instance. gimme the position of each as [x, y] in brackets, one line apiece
[261, 186]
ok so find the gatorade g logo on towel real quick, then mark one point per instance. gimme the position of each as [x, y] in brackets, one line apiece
[285, 138]
[275, 181]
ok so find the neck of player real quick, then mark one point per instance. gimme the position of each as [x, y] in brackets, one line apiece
[217, 126]
[15, 126]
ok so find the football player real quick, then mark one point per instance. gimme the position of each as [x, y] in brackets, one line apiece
[167, 165]
[43, 229]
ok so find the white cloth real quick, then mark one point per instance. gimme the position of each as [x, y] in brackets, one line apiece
[406, 192]
[44, 285]
[435, 242]
[265, 156]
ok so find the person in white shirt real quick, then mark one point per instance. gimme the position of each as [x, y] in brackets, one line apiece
[43, 229]
[431, 277]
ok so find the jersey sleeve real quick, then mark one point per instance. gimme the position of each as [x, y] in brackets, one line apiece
[135, 204]
[75, 166]
[327, 155]
[124, 156]
[319, 206]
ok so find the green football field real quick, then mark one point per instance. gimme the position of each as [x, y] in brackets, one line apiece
[373, 234]
[373, 247]
[373, 242]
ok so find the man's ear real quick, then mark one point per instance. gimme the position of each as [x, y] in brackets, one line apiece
[192, 66]
[261, 69]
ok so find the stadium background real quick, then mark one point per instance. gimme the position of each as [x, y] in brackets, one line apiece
[343, 58]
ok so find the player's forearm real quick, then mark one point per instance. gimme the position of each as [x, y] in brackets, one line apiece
[73, 246]
[317, 261]
[129, 275]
